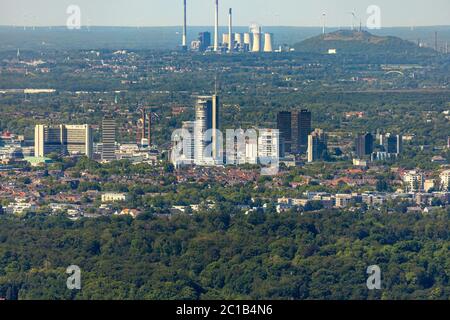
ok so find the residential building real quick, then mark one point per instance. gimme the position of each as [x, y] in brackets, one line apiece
[445, 180]
[414, 181]
[114, 197]
[268, 144]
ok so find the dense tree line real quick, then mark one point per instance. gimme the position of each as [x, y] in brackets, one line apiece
[217, 256]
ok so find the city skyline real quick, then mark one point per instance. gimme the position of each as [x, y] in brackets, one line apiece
[201, 13]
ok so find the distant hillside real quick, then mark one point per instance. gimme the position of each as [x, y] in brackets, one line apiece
[359, 42]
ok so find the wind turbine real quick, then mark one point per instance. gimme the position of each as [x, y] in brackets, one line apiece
[324, 18]
[353, 17]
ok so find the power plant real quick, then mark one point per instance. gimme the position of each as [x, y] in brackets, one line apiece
[253, 41]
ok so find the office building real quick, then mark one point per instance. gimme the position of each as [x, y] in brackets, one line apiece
[364, 145]
[207, 118]
[317, 145]
[301, 129]
[392, 144]
[284, 125]
[63, 140]
[295, 128]
[108, 139]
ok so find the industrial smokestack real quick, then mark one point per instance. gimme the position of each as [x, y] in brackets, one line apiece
[436, 42]
[230, 31]
[149, 129]
[216, 28]
[184, 45]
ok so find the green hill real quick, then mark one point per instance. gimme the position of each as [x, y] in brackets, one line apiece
[359, 42]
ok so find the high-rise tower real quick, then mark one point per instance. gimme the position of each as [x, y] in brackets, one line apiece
[108, 139]
[63, 139]
[206, 118]
[294, 129]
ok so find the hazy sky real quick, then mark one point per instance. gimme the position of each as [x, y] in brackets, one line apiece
[200, 12]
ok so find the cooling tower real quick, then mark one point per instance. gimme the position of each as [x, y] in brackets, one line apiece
[225, 39]
[268, 42]
[256, 42]
[238, 38]
[247, 41]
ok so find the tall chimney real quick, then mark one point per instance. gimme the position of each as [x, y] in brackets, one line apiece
[143, 126]
[436, 42]
[149, 129]
[230, 31]
[216, 28]
[184, 27]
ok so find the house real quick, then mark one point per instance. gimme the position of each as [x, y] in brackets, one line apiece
[130, 212]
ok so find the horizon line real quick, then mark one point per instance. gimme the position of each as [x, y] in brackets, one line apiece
[221, 26]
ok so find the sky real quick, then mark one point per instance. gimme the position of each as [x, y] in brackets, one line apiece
[201, 12]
